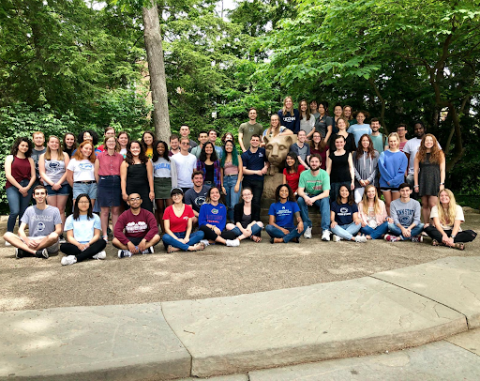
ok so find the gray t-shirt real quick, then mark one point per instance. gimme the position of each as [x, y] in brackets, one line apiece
[196, 200]
[248, 130]
[405, 213]
[301, 152]
[41, 222]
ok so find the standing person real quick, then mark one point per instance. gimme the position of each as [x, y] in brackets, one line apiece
[185, 163]
[320, 147]
[21, 175]
[360, 128]
[402, 132]
[429, 175]
[213, 218]
[340, 168]
[174, 145]
[232, 175]
[314, 109]
[255, 165]
[282, 214]
[247, 222]
[323, 123]
[377, 137]
[178, 222]
[373, 214]
[275, 129]
[69, 143]
[392, 164]
[342, 125]
[447, 217]
[136, 230]
[365, 163]
[344, 216]
[136, 174]
[147, 142]
[301, 148]
[87, 135]
[228, 136]
[314, 189]
[202, 139]
[246, 130]
[38, 150]
[107, 174]
[164, 180]
[44, 228]
[292, 171]
[109, 131]
[83, 230]
[123, 139]
[307, 120]
[81, 171]
[210, 165]
[289, 117]
[405, 213]
[185, 133]
[196, 196]
[212, 137]
[348, 114]
[337, 114]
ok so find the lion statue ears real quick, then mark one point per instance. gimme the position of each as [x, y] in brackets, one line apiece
[287, 138]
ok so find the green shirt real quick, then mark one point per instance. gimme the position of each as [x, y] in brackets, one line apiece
[248, 130]
[314, 185]
[378, 142]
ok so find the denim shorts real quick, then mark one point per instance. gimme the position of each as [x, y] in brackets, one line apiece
[90, 189]
[63, 191]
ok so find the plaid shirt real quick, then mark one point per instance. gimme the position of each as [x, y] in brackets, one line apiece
[216, 171]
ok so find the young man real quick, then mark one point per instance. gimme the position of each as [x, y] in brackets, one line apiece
[212, 137]
[202, 139]
[314, 189]
[44, 228]
[301, 148]
[377, 137]
[195, 197]
[136, 230]
[184, 133]
[185, 163]
[174, 145]
[255, 166]
[402, 131]
[248, 129]
[38, 149]
[405, 221]
[109, 131]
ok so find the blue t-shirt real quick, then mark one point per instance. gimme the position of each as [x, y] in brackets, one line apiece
[83, 228]
[284, 213]
[213, 215]
[344, 213]
[255, 162]
[358, 130]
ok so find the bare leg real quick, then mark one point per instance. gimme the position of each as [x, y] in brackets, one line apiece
[159, 213]
[117, 243]
[115, 215]
[61, 205]
[104, 214]
[388, 200]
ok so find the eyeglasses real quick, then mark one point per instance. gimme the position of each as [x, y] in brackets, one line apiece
[185, 143]
[135, 199]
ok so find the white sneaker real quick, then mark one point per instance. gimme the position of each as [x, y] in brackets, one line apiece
[326, 235]
[69, 260]
[205, 242]
[233, 242]
[101, 255]
[7, 243]
[308, 232]
[360, 238]
[124, 254]
[336, 238]
[148, 251]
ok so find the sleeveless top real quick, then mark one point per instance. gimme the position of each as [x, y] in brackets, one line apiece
[230, 169]
[340, 171]
[21, 170]
[55, 169]
[137, 176]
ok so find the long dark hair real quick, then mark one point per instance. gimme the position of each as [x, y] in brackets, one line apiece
[370, 149]
[129, 159]
[349, 198]
[76, 210]
[203, 154]
[291, 197]
[64, 144]
[14, 150]
[225, 153]
[165, 153]
[209, 192]
[294, 167]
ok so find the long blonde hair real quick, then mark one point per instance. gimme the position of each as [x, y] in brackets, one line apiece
[48, 152]
[448, 217]
[376, 201]
[284, 109]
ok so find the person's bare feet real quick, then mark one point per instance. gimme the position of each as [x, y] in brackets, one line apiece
[255, 238]
[171, 249]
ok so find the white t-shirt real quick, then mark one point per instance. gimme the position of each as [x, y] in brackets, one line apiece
[458, 216]
[411, 147]
[83, 228]
[185, 166]
[307, 125]
[83, 170]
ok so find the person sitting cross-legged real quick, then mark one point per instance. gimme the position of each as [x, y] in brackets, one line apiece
[136, 231]
[344, 216]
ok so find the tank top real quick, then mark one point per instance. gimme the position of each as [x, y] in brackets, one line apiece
[340, 171]
[54, 169]
[230, 169]
[21, 170]
[137, 176]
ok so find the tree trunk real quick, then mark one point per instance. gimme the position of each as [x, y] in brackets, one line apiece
[382, 102]
[156, 68]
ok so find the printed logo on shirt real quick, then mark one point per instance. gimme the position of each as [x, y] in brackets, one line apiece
[260, 154]
[215, 211]
[54, 166]
[199, 201]
[289, 119]
[40, 227]
[133, 227]
[86, 166]
[344, 211]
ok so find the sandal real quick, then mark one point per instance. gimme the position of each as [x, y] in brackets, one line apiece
[199, 247]
[435, 243]
[255, 238]
[171, 249]
[459, 246]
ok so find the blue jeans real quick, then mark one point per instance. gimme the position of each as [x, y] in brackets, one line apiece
[277, 233]
[346, 231]
[377, 232]
[323, 205]
[194, 238]
[395, 230]
[256, 230]
[17, 203]
[232, 197]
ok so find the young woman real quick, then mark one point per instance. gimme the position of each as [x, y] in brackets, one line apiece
[136, 174]
[164, 180]
[123, 139]
[213, 218]
[178, 221]
[348, 114]
[323, 123]
[344, 216]
[289, 117]
[429, 174]
[232, 175]
[282, 214]
[148, 139]
[83, 234]
[228, 136]
[447, 217]
[342, 125]
[337, 114]
[340, 168]
[247, 219]
[107, 174]
[320, 147]
[81, 171]
[360, 128]
[52, 166]
[87, 135]
[210, 166]
[20, 173]
[275, 128]
[392, 164]
[365, 162]
[373, 214]
[307, 121]
[292, 171]
[69, 143]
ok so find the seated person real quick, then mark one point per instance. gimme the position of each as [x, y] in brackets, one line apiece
[136, 230]
[44, 227]
[83, 229]
[178, 220]
[373, 214]
[195, 197]
[447, 217]
[405, 213]
[281, 227]
[344, 216]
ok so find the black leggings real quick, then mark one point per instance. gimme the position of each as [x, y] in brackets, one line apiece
[94, 248]
[463, 236]
[212, 236]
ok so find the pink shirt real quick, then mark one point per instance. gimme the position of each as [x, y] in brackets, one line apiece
[109, 165]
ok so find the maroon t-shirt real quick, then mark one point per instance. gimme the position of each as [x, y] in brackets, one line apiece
[141, 226]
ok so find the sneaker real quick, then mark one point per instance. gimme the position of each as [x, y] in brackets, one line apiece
[105, 238]
[391, 238]
[101, 255]
[42, 253]
[336, 238]
[148, 251]
[417, 238]
[308, 232]
[62, 239]
[19, 253]
[326, 235]
[124, 254]
[360, 238]
[205, 242]
[69, 260]
[233, 242]
[7, 243]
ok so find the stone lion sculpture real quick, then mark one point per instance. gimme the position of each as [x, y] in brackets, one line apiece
[277, 149]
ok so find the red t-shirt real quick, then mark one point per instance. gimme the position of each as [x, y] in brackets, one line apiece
[178, 224]
[292, 178]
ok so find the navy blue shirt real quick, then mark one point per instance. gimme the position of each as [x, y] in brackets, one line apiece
[291, 122]
[255, 162]
[344, 213]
